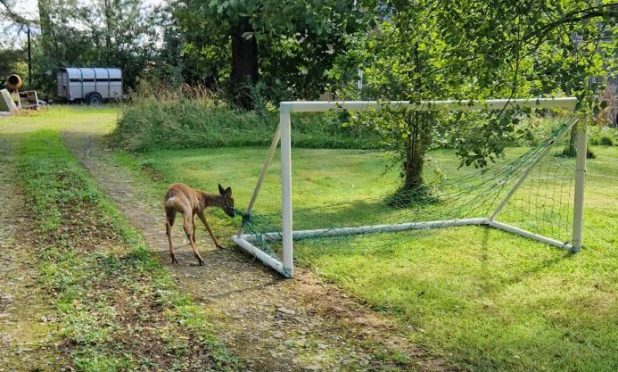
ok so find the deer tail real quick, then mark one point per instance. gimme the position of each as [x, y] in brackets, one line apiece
[169, 194]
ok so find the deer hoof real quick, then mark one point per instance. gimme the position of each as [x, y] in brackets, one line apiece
[174, 260]
[220, 246]
[200, 261]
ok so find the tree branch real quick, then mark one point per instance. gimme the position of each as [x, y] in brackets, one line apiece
[16, 17]
[604, 11]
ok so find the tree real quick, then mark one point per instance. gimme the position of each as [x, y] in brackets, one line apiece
[262, 36]
[114, 33]
[428, 49]
[10, 57]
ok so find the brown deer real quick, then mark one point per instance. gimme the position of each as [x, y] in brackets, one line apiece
[189, 201]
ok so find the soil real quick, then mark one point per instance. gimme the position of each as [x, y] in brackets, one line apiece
[269, 322]
[27, 320]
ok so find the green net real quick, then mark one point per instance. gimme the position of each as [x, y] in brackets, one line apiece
[342, 196]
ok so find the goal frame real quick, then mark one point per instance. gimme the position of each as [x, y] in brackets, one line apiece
[283, 135]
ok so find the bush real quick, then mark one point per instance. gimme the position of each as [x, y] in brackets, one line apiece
[192, 119]
[602, 136]
[606, 141]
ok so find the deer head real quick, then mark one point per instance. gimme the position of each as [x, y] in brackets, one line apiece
[227, 201]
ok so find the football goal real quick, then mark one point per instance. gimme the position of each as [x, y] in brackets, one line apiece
[342, 196]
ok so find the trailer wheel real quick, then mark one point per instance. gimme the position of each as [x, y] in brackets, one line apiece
[94, 99]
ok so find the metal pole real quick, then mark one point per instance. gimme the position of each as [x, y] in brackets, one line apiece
[286, 190]
[264, 257]
[458, 105]
[29, 61]
[269, 159]
[341, 231]
[580, 179]
[530, 235]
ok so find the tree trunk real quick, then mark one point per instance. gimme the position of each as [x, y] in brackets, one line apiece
[419, 124]
[413, 189]
[244, 63]
[571, 151]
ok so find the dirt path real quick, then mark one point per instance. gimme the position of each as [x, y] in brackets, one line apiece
[274, 324]
[26, 322]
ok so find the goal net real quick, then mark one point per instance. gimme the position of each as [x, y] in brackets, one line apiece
[339, 197]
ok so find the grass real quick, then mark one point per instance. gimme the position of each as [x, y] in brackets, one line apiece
[79, 118]
[120, 309]
[481, 298]
[149, 124]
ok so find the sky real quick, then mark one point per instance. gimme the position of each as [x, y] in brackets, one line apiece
[9, 34]
[28, 8]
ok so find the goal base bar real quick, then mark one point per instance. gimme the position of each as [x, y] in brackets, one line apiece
[339, 231]
[245, 240]
[530, 235]
[266, 259]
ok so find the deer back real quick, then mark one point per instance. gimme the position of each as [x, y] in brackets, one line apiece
[182, 197]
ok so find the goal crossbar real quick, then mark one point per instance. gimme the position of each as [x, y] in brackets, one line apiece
[283, 136]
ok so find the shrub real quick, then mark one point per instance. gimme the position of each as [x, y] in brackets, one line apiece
[192, 119]
[606, 141]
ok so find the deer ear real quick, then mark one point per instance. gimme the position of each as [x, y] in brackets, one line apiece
[221, 191]
[228, 190]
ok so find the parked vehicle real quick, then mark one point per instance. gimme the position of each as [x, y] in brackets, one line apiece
[91, 85]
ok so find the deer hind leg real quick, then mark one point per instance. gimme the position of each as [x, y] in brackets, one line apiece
[170, 214]
[193, 223]
[189, 231]
[214, 238]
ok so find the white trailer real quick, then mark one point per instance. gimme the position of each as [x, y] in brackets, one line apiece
[91, 85]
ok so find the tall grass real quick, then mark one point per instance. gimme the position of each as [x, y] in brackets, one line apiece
[164, 119]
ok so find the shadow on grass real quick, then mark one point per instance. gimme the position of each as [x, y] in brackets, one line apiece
[489, 286]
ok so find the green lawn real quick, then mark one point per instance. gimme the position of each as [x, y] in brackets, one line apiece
[479, 297]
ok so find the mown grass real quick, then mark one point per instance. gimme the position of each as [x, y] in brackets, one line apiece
[481, 298]
[150, 123]
[80, 118]
[119, 309]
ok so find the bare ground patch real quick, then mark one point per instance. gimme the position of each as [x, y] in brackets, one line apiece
[272, 323]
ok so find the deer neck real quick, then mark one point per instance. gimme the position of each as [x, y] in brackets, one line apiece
[212, 200]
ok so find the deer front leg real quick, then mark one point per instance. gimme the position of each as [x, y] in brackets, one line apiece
[187, 226]
[214, 238]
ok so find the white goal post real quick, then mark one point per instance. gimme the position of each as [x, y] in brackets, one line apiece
[283, 135]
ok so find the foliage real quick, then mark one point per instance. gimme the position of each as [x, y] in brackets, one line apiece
[108, 33]
[468, 50]
[297, 41]
[188, 119]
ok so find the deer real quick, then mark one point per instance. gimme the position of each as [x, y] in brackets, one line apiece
[190, 202]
